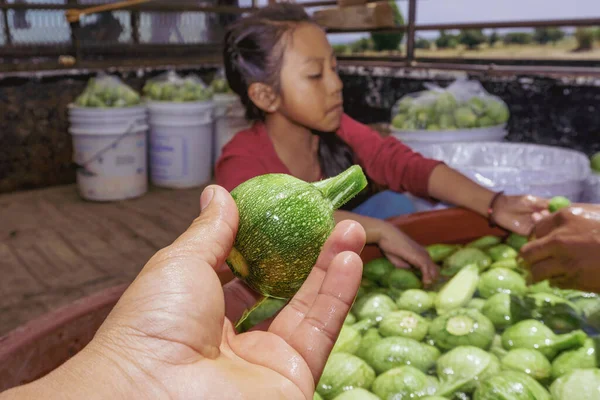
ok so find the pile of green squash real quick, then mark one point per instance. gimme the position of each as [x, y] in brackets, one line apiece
[482, 333]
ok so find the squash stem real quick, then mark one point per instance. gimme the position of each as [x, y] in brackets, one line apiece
[249, 311]
[343, 187]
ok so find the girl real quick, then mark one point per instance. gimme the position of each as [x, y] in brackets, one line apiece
[283, 68]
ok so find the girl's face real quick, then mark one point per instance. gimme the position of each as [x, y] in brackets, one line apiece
[311, 90]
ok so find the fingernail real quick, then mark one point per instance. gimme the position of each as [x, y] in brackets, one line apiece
[206, 197]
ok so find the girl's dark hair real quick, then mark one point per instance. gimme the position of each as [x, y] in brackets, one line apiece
[253, 52]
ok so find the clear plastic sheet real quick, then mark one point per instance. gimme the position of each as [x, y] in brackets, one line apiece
[516, 168]
[591, 192]
[107, 91]
[172, 87]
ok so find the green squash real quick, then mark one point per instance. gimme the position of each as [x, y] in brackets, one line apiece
[344, 372]
[283, 224]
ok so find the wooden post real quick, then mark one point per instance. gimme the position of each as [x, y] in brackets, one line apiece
[6, 26]
[370, 16]
[410, 39]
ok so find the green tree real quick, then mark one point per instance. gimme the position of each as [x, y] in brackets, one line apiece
[518, 38]
[585, 39]
[472, 38]
[389, 41]
[548, 35]
[446, 41]
[361, 45]
[494, 38]
[422, 43]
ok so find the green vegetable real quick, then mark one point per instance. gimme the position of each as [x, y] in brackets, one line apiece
[415, 300]
[344, 372]
[108, 92]
[350, 319]
[348, 341]
[377, 269]
[357, 394]
[511, 385]
[404, 383]
[529, 361]
[434, 398]
[595, 162]
[497, 309]
[373, 306]
[465, 118]
[402, 279]
[404, 323]
[532, 334]
[509, 263]
[439, 252]
[516, 241]
[567, 361]
[544, 299]
[558, 202]
[476, 304]
[502, 252]
[501, 280]
[459, 290]
[464, 257]
[462, 368]
[364, 325]
[317, 396]
[394, 352]
[369, 340]
[283, 224]
[265, 310]
[462, 327]
[484, 242]
[497, 349]
[220, 85]
[580, 384]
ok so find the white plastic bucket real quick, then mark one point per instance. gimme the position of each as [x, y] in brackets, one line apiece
[181, 142]
[415, 138]
[230, 118]
[120, 171]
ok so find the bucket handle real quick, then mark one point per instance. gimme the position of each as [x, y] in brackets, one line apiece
[83, 167]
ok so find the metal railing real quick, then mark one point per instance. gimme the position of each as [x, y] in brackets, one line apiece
[198, 39]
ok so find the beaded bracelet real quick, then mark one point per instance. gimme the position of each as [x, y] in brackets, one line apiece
[490, 210]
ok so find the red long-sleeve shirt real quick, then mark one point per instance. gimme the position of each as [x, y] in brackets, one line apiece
[386, 161]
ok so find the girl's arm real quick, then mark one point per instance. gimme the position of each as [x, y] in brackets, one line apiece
[450, 186]
[515, 213]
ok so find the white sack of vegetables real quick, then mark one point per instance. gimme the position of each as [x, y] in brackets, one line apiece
[463, 104]
[107, 91]
[173, 88]
[283, 225]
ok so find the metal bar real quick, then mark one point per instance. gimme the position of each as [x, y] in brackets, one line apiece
[7, 34]
[165, 7]
[125, 49]
[410, 40]
[134, 20]
[483, 25]
[483, 69]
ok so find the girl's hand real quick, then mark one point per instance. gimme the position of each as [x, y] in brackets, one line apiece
[402, 251]
[519, 213]
[567, 248]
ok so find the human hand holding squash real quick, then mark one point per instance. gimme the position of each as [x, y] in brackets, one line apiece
[567, 248]
[171, 336]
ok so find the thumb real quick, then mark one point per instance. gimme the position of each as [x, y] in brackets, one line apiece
[211, 235]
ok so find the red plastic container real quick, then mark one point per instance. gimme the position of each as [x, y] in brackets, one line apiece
[33, 350]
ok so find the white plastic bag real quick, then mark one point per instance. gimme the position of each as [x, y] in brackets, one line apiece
[173, 88]
[106, 91]
[463, 104]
